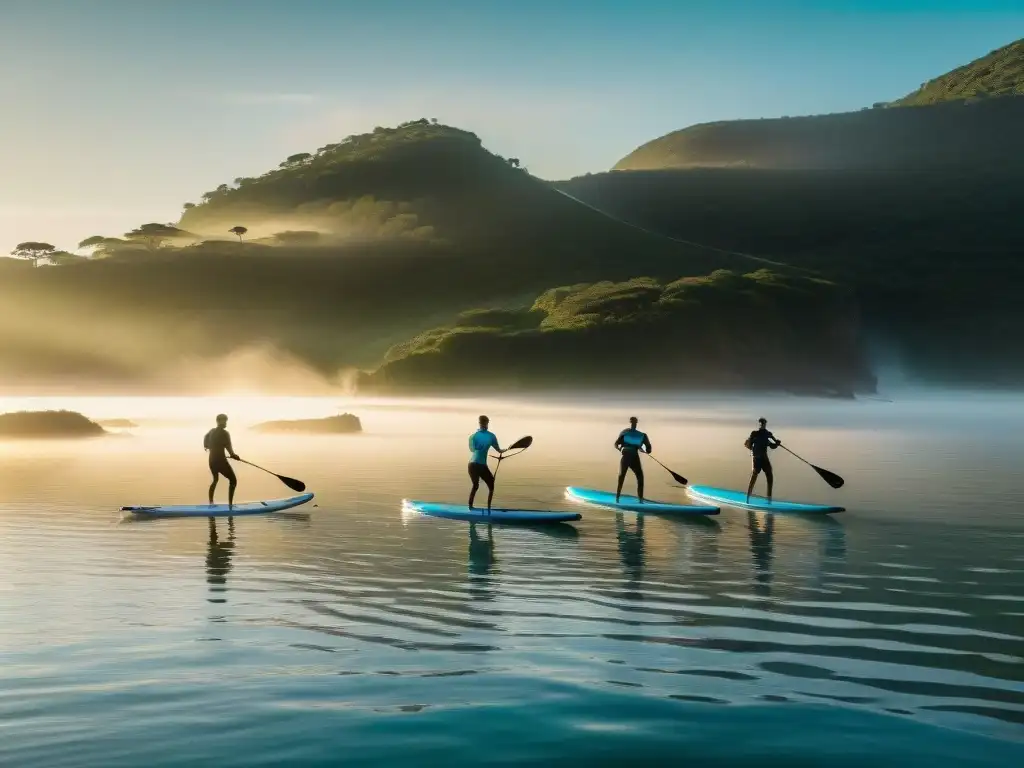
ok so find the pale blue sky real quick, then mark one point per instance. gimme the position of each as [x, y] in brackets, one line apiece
[118, 111]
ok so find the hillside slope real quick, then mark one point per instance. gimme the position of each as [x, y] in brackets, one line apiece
[955, 122]
[692, 333]
[453, 227]
[933, 257]
[941, 136]
[999, 73]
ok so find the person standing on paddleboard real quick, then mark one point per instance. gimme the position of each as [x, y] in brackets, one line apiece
[629, 443]
[758, 443]
[480, 442]
[218, 443]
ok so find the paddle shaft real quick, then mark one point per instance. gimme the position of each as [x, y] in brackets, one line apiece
[829, 477]
[677, 477]
[291, 482]
[805, 461]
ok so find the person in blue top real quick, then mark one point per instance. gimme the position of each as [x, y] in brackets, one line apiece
[480, 442]
[629, 443]
[758, 443]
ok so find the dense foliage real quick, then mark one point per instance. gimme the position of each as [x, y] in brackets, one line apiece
[727, 330]
[933, 258]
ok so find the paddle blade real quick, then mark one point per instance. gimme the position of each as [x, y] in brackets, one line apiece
[678, 478]
[522, 443]
[829, 477]
[296, 485]
[675, 476]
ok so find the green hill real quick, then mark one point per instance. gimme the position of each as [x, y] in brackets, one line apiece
[956, 125]
[1000, 73]
[932, 257]
[451, 227]
[953, 135]
[335, 257]
[760, 330]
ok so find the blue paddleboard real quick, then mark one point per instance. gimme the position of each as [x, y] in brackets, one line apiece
[496, 515]
[220, 510]
[632, 504]
[759, 503]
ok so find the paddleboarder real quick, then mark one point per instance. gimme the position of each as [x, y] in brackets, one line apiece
[758, 443]
[480, 442]
[629, 443]
[218, 443]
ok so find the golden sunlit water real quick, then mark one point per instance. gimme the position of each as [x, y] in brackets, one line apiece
[354, 633]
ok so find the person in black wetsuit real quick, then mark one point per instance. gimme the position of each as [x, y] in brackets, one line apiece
[629, 443]
[218, 443]
[758, 443]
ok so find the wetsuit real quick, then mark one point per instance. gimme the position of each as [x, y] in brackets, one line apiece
[760, 441]
[629, 443]
[480, 442]
[218, 443]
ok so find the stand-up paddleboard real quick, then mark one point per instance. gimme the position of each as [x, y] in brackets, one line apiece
[220, 510]
[759, 503]
[495, 515]
[632, 504]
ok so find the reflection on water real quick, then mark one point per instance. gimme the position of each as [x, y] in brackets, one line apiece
[218, 560]
[761, 534]
[631, 552]
[352, 630]
[481, 563]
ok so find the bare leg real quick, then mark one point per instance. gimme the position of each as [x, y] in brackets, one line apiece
[231, 492]
[213, 487]
[770, 479]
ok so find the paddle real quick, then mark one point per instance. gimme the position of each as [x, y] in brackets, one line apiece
[291, 482]
[519, 445]
[829, 477]
[677, 477]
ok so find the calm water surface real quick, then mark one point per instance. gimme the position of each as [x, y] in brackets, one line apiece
[352, 634]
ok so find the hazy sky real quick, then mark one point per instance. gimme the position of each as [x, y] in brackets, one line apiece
[115, 112]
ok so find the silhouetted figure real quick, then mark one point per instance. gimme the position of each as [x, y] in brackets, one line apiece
[480, 442]
[218, 443]
[758, 443]
[629, 442]
[762, 550]
[218, 557]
